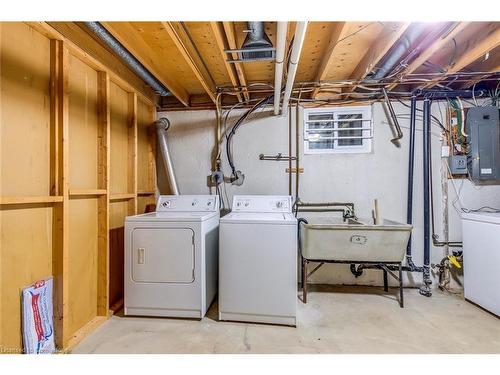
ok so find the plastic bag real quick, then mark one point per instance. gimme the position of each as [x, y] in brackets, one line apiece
[38, 325]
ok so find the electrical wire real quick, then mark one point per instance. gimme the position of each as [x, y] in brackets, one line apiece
[486, 209]
[432, 116]
[458, 199]
[463, 117]
[226, 116]
[235, 127]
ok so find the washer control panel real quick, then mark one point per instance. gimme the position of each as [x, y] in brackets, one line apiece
[262, 203]
[187, 203]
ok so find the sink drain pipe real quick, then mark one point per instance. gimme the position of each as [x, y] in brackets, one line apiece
[411, 162]
[425, 289]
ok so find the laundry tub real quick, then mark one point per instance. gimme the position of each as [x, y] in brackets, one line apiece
[332, 240]
[355, 241]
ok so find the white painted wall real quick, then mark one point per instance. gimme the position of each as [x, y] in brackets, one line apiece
[357, 178]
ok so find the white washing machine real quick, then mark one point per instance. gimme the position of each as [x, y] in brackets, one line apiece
[171, 257]
[258, 261]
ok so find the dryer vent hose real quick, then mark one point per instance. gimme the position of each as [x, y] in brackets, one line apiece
[162, 125]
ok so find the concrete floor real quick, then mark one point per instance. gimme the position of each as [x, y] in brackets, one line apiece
[335, 320]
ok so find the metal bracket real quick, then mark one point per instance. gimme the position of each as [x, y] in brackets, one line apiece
[278, 157]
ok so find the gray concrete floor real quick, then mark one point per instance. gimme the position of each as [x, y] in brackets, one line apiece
[335, 320]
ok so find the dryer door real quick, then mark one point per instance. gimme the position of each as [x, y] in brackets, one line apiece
[163, 255]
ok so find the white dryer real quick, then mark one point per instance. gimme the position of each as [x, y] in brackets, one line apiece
[258, 261]
[171, 257]
[481, 245]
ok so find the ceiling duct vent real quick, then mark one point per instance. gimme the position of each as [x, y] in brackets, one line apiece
[256, 47]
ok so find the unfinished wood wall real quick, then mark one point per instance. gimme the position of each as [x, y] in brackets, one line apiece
[76, 157]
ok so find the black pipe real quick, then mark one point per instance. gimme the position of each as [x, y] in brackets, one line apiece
[358, 271]
[411, 163]
[448, 94]
[425, 289]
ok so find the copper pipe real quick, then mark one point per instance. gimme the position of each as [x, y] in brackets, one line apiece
[290, 151]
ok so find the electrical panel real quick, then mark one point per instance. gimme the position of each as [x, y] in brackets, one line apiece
[483, 138]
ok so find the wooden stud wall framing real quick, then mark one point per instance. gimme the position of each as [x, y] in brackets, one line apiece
[62, 192]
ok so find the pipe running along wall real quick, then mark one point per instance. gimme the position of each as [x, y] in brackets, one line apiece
[298, 41]
[135, 65]
[280, 59]
[162, 126]
[425, 288]
[411, 162]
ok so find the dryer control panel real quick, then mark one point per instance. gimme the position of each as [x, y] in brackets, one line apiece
[187, 203]
[262, 203]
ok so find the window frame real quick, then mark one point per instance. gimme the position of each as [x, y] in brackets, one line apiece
[366, 129]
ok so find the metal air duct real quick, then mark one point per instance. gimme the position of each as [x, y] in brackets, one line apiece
[256, 47]
[162, 126]
[135, 65]
[256, 39]
[400, 49]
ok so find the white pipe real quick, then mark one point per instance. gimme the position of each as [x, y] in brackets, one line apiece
[278, 69]
[298, 41]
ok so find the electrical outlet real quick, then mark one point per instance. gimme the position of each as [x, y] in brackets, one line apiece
[458, 164]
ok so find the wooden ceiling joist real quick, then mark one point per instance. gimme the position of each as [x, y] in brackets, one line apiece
[479, 47]
[477, 50]
[339, 32]
[218, 32]
[388, 37]
[438, 44]
[188, 50]
[147, 55]
[189, 58]
[231, 40]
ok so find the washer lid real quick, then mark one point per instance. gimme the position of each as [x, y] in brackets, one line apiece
[173, 216]
[486, 217]
[259, 218]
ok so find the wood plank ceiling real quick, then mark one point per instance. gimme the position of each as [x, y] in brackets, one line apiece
[189, 58]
